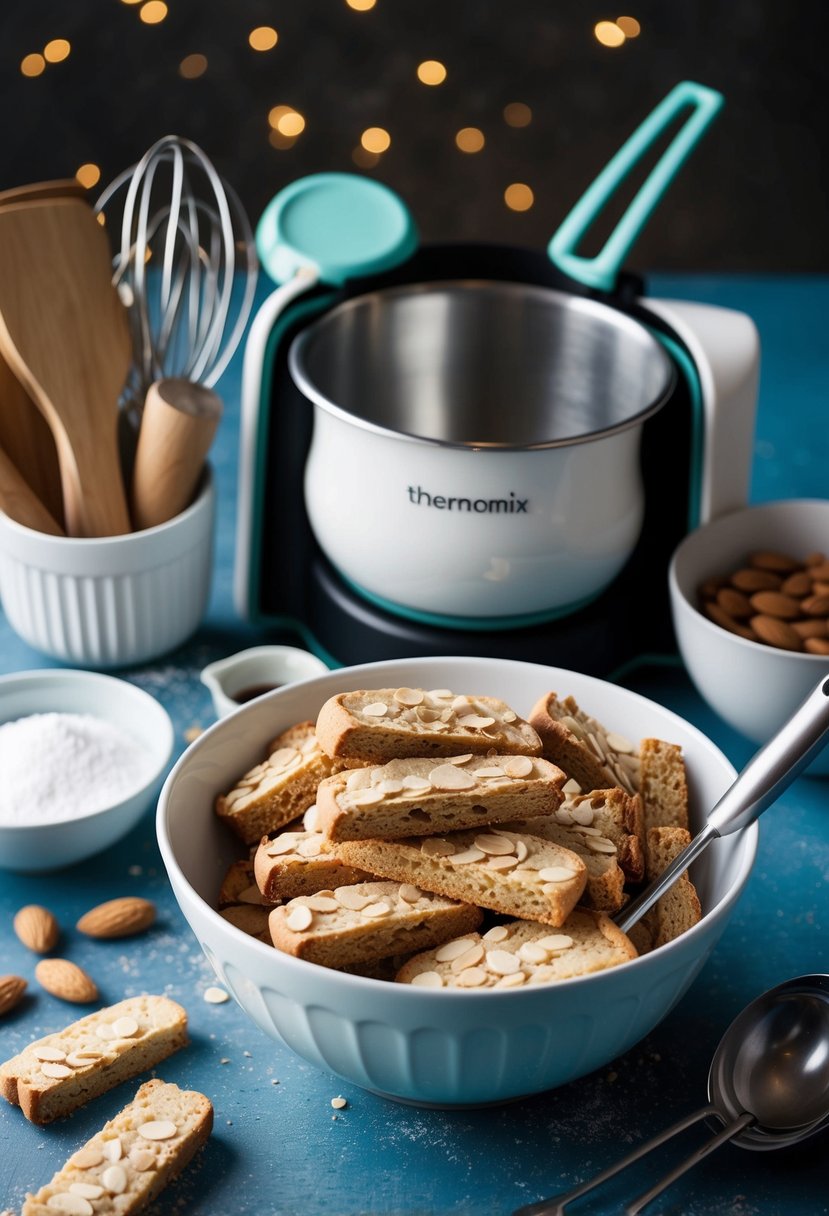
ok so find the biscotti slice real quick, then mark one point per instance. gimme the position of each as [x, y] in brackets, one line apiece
[605, 890]
[616, 815]
[251, 919]
[521, 952]
[595, 757]
[679, 908]
[239, 886]
[664, 785]
[509, 872]
[58, 1073]
[372, 920]
[414, 796]
[299, 863]
[131, 1160]
[384, 724]
[279, 789]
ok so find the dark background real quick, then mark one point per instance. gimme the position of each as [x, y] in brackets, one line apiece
[752, 198]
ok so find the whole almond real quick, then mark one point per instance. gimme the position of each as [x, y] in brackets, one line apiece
[816, 645]
[820, 571]
[721, 618]
[772, 630]
[798, 584]
[118, 917]
[37, 928]
[816, 605]
[12, 988]
[734, 603]
[775, 603]
[66, 980]
[779, 563]
[817, 627]
[755, 580]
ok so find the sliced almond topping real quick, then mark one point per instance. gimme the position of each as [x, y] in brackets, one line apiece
[158, 1129]
[598, 844]
[409, 893]
[564, 815]
[475, 722]
[113, 1149]
[141, 1159]
[464, 759]
[347, 897]
[498, 933]
[427, 979]
[501, 863]
[582, 814]
[86, 1158]
[87, 1190]
[441, 694]
[114, 1177]
[518, 766]
[450, 777]
[618, 742]
[448, 952]
[515, 980]
[70, 1205]
[531, 952]
[436, 846]
[310, 847]
[56, 1071]
[282, 759]
[492, 770]
[358, 779]
[321, 903]
[377, 709]
[472, 977]
[125, 1028]
[414, 782]
[496, 845]
[556, 874]
[588, 831]
[286, 843]
[390, 786]
[469, 957]
[502, 962]
[309, 819]
[376, 910]
[427, 715]
[49, 1053]
[409, 696]
[369, 797]
[216, 996]
[299, 918]
[570, 788]
[521, 851]
[81, 1059]
[555, 941]
[467, 856]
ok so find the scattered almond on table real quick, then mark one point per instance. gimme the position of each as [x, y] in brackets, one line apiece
[118, 918]
[12, 988]
[774, 599]
[65, 980]
[37, 928]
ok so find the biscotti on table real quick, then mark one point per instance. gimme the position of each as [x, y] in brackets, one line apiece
[60, 1072]
[121, 1169]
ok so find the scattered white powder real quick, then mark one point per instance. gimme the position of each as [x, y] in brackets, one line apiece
[55, 767]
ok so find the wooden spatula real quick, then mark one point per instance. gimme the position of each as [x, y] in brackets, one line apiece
[19, 502]
[64, 333]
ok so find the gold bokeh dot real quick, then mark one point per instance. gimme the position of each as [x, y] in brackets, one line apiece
[286, 120]
[131, 1]
[470, 139]
[431, 71]
[375, 139]
[153, 12]
[57, 50]
[519, 197]
[517, 114]
[361, 6]
[193, 66]
[32, 65]
[608, 33]
[88, 175]
[629, 26]
[277, 140]
[365, 159]
[263, 38]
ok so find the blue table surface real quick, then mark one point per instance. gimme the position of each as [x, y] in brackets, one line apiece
[278, 1147]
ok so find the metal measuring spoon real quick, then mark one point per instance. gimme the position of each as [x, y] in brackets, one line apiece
[768, 1083]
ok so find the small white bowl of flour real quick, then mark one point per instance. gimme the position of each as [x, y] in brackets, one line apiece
[82, 757]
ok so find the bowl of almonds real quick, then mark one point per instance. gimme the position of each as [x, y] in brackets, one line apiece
[750, 602]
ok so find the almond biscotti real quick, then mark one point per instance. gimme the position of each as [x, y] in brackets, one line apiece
[509, 872]
[593, 756]
[357, 924]
[679, 908]
[616, 815]
[519, 953]
[383, 724]
[299, 863]
[59, 1073]
[134, 1156]
[664, 785]
[413, 796]
[279, 789]
[605, 890]
[239, 885]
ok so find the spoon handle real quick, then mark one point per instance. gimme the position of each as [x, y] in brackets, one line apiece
[556, 1204]
[722, 1137]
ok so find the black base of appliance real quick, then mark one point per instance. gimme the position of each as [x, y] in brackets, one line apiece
[292, 582]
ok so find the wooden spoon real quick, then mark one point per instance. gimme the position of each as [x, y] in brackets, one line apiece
[20, 503]
[64, 187]
[64, 333]
[178, 423]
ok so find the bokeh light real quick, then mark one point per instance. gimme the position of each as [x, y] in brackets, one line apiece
[431, 71]
[153, 12]
[88, 175]
[57, 50]
[287, 121]
[608, 33]
[517, 114]
[32, 65]
[629, 26]
[361, 6]
[375, 139]
[470, 139]
[263, 38]
[519, 197]
[192, 66]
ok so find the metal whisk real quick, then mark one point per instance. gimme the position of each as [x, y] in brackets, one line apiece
[186, 267]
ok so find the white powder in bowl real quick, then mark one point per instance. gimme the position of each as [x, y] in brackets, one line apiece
[55, 767]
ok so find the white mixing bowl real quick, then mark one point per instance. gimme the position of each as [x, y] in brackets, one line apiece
[448, 1046]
